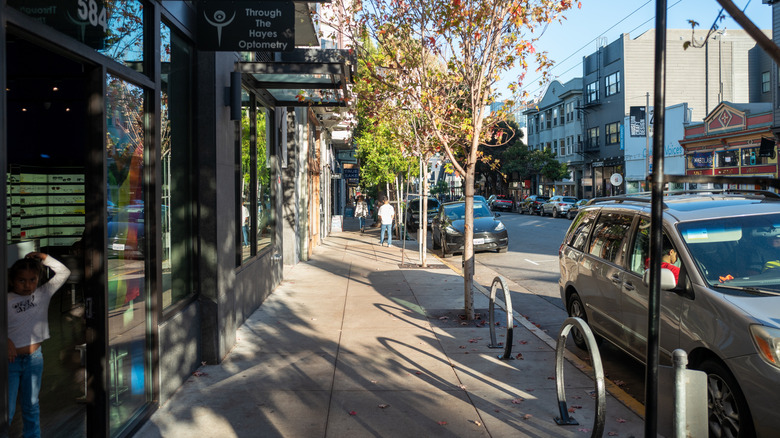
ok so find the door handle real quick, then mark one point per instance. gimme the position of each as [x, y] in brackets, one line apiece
[615, 278]
[629, 286]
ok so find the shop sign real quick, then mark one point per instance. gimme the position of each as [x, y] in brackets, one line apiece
[700, 172]
[85, 20]
[335, 176]
[246, 26]
[728, 171]
[702, 159]
[352, 175]
[759, 169]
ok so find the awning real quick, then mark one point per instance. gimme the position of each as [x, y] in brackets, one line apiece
[303, 77]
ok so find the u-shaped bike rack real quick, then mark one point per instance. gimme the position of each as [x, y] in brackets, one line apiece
[509, 320]
[565, 419]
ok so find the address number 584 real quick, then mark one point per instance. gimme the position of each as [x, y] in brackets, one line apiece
[90, 10]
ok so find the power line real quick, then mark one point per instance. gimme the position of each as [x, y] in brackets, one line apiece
[599, 36]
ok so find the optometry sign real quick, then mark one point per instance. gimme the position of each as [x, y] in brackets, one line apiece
[246, 26]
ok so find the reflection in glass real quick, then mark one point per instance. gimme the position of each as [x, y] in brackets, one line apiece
[126, 362]
[264, 204]
[113, 28]
[176, 213]
[247, 236]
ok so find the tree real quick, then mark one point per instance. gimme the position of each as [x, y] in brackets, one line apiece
[442, 59]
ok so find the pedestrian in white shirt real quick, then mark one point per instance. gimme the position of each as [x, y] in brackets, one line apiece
[386, 215]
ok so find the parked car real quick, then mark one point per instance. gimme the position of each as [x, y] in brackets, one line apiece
[722, 309]
[532, 204]
[501, 202]
[413, 212]
[574, 209]
[477, 198]
[448, 229]
[557, 206]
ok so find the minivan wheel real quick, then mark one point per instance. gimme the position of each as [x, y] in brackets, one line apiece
[727, 411]
[577, 310]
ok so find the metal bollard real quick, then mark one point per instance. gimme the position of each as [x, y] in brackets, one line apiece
[680, 364]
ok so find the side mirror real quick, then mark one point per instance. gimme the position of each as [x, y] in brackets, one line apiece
[667, 279]
[497, 214]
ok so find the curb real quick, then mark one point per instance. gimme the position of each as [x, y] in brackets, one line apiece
[613, 389]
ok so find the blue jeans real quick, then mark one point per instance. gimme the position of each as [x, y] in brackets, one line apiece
[24, 377]
[245, 230]
[389, 229]
[362, 222]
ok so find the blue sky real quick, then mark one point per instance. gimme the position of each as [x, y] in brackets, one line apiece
[580, 33]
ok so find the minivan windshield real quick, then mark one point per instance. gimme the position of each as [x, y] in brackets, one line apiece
[740, 252]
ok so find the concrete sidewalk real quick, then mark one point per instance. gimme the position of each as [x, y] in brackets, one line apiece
[352, 345]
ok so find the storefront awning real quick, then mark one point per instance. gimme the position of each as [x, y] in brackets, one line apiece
[303, 77]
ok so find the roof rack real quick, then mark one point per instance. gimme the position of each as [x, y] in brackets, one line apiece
[638, 198]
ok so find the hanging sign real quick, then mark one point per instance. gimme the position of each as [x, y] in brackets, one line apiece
[246, 26]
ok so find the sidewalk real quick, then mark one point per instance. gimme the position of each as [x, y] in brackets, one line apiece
[352, 345]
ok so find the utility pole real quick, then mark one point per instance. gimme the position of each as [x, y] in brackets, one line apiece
[647, 135]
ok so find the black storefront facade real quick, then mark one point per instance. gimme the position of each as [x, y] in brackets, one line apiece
[126, 157]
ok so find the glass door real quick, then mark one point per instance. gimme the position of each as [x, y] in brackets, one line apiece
[127, 358]
[47, 95]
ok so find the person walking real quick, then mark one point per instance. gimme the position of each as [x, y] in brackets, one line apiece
[361, 212]
[386, 215]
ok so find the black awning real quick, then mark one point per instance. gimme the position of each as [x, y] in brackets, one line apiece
[303, 77]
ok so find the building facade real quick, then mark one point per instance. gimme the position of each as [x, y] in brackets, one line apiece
[735, 139]
[174, 176]
[555, 123]
[619, 76]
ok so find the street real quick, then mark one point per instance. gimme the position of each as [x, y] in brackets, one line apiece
[532, 261]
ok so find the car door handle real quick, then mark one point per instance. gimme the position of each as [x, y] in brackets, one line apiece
[615, 278]
[629, 286]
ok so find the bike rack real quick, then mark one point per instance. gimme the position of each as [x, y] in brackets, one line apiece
[492, 318]
[565, 419]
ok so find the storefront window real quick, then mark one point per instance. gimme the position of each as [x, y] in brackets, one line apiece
[128, 368]
[247, 177]
[265, 217]
[115, 29]
[176, 146]
[728, 158]
[751, 157]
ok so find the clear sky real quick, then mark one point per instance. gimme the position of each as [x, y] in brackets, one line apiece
[580, 33]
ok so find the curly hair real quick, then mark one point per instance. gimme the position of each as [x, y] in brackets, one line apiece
[25, 264]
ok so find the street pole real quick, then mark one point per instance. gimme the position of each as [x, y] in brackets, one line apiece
[647, 136]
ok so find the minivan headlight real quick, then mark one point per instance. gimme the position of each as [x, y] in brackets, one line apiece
[767, 342]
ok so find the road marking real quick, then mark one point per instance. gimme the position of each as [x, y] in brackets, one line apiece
[540, 261]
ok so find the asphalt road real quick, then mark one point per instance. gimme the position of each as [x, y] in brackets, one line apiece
[532, 261]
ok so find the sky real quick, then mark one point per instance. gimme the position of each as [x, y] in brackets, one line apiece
[582, 30]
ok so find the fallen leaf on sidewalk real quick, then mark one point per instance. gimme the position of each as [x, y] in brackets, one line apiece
[621, 420]
[582, 429]
[477, 423]
[352, 413]
[518, 400]
[612, 434]
[527, 416]
[522, 342]
[442, 318]
[462, 346]
[463, 387]
[551, 378]
[199, 373]
[619, 383]
[384, 406]
[442, 423]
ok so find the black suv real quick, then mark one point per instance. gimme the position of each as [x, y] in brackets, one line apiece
[532, 204]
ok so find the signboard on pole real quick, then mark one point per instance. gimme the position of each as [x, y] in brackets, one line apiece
[246, 26]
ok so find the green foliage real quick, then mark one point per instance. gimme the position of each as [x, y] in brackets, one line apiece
[379, 155]
[440, 188]
[518, 158]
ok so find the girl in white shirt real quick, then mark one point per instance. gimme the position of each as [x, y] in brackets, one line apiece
[28, 327]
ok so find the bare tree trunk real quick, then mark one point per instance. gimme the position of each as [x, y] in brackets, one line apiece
[468, 244]
[424, 215]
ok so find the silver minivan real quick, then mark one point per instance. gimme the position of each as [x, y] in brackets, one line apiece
[720, 298]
